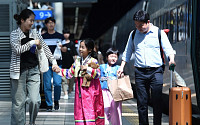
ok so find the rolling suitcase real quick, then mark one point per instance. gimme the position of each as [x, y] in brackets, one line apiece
[180, 110]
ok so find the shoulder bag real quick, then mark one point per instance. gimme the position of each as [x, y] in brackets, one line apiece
[43, 61]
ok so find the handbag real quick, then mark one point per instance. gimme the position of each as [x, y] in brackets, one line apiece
[43, 61]
[120, 88]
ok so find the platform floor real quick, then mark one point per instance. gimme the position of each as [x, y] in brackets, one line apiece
[65, 115]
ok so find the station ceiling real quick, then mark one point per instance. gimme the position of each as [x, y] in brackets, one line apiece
[104, 14]
[95, 17]
[68, 1]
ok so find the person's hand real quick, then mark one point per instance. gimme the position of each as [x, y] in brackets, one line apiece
[120, 71]
[83, 68]
[121, 76]
[56, 68]
[64, 49]
[172, 65]
[37, 42]
[172, 62]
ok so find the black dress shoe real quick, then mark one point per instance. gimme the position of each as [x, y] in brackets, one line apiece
[56, 105]
[49, 108]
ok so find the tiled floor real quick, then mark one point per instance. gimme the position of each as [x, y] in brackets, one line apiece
[65, 115]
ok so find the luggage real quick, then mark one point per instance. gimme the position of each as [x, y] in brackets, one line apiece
[180, 110]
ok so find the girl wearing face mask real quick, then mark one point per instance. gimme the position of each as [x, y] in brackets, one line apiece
[112, 109]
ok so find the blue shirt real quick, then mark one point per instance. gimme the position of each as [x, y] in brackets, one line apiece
[107, 73]
[147, 48]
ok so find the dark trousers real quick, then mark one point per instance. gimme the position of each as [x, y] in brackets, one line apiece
[149, 84]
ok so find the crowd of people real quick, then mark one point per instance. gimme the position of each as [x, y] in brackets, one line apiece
[93, 103]
[39, 25]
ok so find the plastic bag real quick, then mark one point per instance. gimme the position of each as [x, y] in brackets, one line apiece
[178, 79]
[57, 53]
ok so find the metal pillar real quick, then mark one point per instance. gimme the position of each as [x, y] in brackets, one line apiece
[58, 14]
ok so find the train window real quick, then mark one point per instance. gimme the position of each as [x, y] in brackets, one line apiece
[181, 32]
[189, 21]
[159, 22]
[166, 21]
[154, 22]
[172, 33]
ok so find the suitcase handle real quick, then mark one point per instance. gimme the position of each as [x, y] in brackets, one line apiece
[171, 68]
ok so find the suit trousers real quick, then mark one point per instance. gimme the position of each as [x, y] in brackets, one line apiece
[149, 84]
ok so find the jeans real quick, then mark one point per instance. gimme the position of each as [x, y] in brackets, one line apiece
[57, 80]
[25, 90]
[149, 84]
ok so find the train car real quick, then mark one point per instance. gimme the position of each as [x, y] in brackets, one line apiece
[181, 17]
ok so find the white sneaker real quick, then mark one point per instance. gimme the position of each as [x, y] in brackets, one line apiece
[107, 122]
[65, 96]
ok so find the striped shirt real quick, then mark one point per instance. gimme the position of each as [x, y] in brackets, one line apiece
[15, 40]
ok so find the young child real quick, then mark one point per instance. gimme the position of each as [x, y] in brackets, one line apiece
[112, 109]
[88, 104]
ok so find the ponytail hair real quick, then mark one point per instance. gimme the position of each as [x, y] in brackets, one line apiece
[94, 54]
[25, 14]
[89, 43]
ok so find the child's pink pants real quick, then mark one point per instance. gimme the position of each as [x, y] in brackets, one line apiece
[112, 109]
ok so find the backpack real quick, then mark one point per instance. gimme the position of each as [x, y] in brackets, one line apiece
[161, 49]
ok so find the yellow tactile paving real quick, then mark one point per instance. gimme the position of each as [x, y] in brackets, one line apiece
[130, 115]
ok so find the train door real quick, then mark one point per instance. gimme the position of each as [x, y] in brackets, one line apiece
[195, 49]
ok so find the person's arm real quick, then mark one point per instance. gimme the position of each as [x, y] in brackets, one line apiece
[167, 48]
[171, 59]
[121, 68]
[126, 54]
[64, 48]
[48, 54]
[16, 45]
[68, 73]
